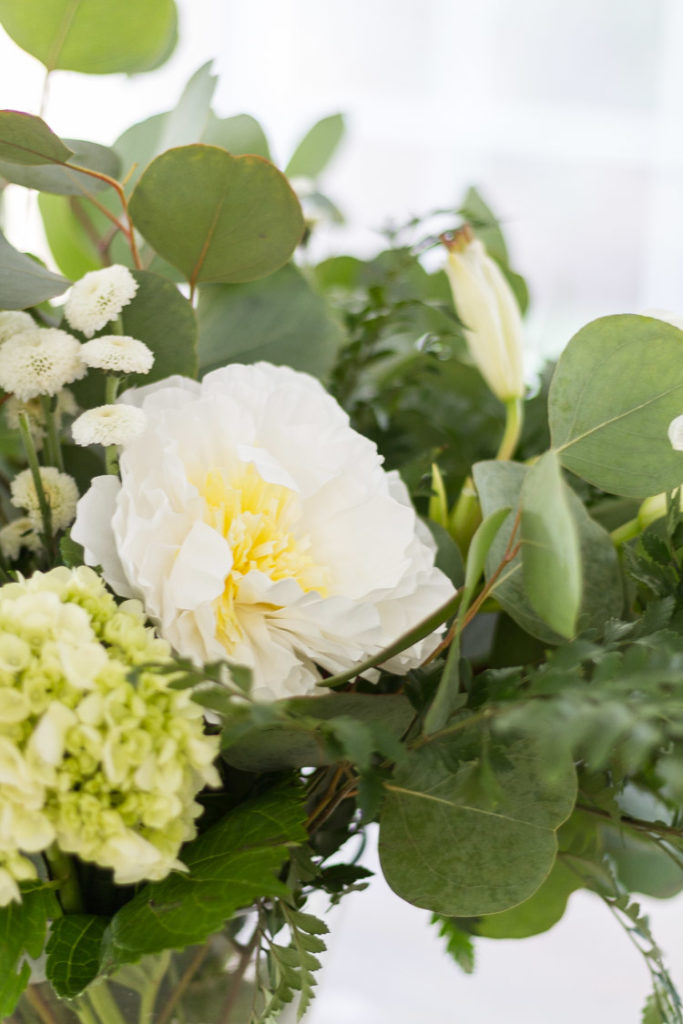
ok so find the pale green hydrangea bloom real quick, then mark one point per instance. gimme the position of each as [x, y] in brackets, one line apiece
[105, 768]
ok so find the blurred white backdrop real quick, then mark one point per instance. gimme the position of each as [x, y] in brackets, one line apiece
[568, 118]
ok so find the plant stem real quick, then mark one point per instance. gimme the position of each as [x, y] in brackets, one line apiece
[146, 1011]
[237, 978]
[37, 1003]
[61, 867]
[111, 452]
[129, 231]
[54, 448]
[180, 988]
[627, 531]
[34, 465]
[514, 420]
[104, 1004]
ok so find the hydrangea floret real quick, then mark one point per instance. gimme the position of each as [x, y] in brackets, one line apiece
[118, 353]
[40, 361]
[60, 492]
[99, 297]
[104, 767]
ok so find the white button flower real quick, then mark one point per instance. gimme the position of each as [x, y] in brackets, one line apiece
[98, 298]
[61, 494]
[675, 434]
[14, 321]
[18, 534]
[118, 353]
[255, 524]
[40, 362]
[108, 424]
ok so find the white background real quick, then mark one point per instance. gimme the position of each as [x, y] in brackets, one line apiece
[569, 117]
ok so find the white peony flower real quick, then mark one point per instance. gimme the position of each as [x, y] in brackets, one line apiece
[675, 434]
[14, 321]
[61, 494]
[99, 297]
[118, 353]
[40, 362]
[108, 424]
[255, 524]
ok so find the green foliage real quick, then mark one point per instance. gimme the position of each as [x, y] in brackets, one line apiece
[467, 830]
[161, 317]
[291, 968]
[537, 914]
[23, 281]
[231, 865]
[459, 944]
[73, 952]
[616, 437]
[26, 140]
[316, 148]
[217, 217]
[61, 178]
[279, 318]
[93, 36]
[23, 928]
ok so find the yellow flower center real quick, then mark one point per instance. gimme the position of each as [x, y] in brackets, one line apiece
[257, 519]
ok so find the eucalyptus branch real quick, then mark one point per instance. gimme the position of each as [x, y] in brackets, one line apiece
[637, 824]
[128, 231]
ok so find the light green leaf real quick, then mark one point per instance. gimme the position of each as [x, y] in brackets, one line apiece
[26, 139]
[186, 123]
[233, 863]
[23, 281]
[93, 36]
[279, 319]
[62, 179]
[316, 148]
[500, 484]
[478, 551]
[238, 134]
[73, 953]
[22, 929]
[72, 248]
[450, 849]
[215, 216]
[617, 386]
[161, 317]
[551, 555]
[537, 914]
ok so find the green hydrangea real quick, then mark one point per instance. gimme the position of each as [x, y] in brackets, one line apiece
[105, 768]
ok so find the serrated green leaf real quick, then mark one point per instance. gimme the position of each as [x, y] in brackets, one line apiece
[445, 851]
[459, 944]
[616, 437]
[230, 865]
[217, 217]
[93, 36]
[26, 139]
[23, 281]
[317, 148]
[23, 927]
[73, 953]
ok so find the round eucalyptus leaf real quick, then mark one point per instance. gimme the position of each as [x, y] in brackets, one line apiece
[161, 317]
[62, 179]
[96, 37]
[23, 281]
[217, 217]
[26, 139]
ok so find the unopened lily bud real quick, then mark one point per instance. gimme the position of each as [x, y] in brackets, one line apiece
[489, 312]
[438, 502]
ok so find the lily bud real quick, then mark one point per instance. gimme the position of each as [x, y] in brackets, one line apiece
[488, 309]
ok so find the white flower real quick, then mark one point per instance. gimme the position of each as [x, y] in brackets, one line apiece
[108, 424]
[18, 534]
[675, 434]
[489, 312]
[65, 406]
[99, 297]
[118, 353]
[40, 362]
[61, 494]
[14, 321]
[255, 524]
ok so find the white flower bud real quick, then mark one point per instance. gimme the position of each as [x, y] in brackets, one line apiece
[14, 321]
[108, 424]
[118, 353]
[60, 490]
[40, 362]
[675, 434]
[489, 312]
[99, 297]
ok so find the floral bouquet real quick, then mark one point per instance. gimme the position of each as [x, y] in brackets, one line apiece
[289, 549]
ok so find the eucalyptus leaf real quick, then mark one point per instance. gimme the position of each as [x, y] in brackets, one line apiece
[62, 179]
[279, 319]
[617, 387]
[537, 914]
[73, 953]
[26, 139]
[455, 851]
[161, 317]
[551, 555]
[93, 36]
[233, 863]
[73, 248]
[23, 281]
[217, 217]
[316, 148]
[239, 134]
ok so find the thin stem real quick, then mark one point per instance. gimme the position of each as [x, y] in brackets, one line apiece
[61, 867]
[118, 187]
[514, 420]
[44, 94]
[237, 978]
[627, 531]
[149, 995]
[84, 1013]
[49, 407]
[34, 465]
[185, 979]
[104, 1004]
[637, 824]
[37, 1003]
[111, 452]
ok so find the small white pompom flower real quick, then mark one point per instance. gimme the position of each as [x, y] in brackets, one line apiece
[108, 424]
[40, 362]
[60, 490]
[14, 321]
[99, 297]
[18, 534]
[118, 353]
[675, 433]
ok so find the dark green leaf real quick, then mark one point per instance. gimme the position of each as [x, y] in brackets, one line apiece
[22, 929]
[279, 319]
[161, 317]
[459, 944]
[217, 217]
[23, 281]
[316, 148]
[73, 953]
[230, 865]
[537, 914]
[26, 139]
[93, 36]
